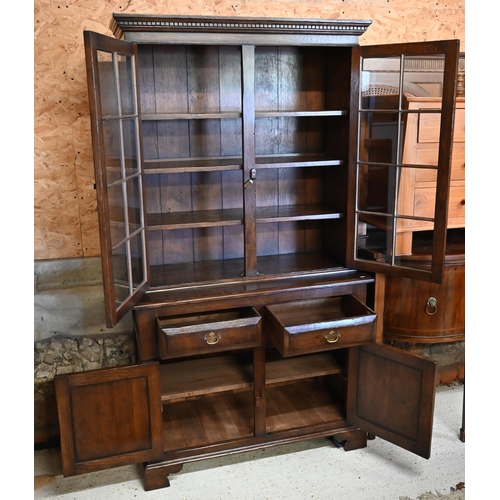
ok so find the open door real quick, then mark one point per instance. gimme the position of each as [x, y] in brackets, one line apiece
[109, 417]
[118, 162]
[391, 395]
[382, 211]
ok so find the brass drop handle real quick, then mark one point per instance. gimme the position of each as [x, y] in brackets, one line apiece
[332, 337]
[212, 338]
[431, 307]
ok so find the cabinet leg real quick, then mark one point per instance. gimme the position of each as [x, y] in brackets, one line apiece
[156, 475]
[462, 429]
[351, 440]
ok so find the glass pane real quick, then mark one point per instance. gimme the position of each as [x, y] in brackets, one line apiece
[376, 188]
[416, 200]
[126, 82]
[378, 242]
[379, 137]
[130, 146]
[107, 85]
[137, 259]
[380, 82]
[374, 240]
[111, 139]
[134, 197]
[116, 214]
[120, 273]
[423, 76]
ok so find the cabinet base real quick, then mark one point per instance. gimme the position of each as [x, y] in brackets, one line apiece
[156, 473]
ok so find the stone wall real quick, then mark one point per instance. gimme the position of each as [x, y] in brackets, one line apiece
[62, 354]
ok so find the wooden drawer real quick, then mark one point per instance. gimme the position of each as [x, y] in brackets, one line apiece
[308, 326]
[429, 124]
[208, 332]
[429, 156]
[425, 199]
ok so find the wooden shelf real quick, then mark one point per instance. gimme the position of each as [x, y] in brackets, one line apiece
[207, 164]
[202, 164]
[296, 160]
[193, 378]
[190, 116]
[234, 217]
[300, 405]
[206, 421]
[278, 114]
[279, 371]
[204, 218]
[296, 212]
[231, 269]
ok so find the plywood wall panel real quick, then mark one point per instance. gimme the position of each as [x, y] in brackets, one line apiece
[66, 222]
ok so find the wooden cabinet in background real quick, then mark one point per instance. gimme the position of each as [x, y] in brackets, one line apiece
[228, 175]
[421, 146]
[428, 313]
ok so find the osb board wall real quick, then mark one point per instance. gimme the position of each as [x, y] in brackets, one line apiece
[65, 203]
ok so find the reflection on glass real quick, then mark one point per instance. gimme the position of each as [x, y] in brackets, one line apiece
[380, 77]
[379, 137]
[126, 81]
[116, 214]
[398, 148]
[107, 86]
[377, 241]
[376, 188]
[423, 76]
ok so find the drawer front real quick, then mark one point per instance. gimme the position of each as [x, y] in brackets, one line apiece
[425, 200]
[208, 333]
[429, 124]
[429, 156]
[319, 325]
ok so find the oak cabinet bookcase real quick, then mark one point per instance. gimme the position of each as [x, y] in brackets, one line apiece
[238, 222]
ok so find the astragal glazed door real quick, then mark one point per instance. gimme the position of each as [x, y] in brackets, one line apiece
[385, 81]
[118, 161]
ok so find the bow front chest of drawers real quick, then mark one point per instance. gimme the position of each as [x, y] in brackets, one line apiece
[237, 224]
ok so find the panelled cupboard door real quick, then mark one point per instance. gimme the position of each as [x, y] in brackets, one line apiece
[109, 417]
[112, 78]
[391, 395]
[381, 218]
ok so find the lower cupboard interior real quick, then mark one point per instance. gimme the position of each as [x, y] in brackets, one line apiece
[211, 400]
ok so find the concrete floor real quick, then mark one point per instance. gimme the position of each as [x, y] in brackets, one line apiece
[312, 469]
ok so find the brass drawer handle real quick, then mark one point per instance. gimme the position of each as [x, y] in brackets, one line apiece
[212, 338]
[431, 307]
[332, 337]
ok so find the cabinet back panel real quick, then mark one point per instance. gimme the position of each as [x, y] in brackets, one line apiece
[189, 79]
[281, 135]
[184, 246]
[185, 192]
[298, 186]
[289, 78]
[192, 138]
[288, 237]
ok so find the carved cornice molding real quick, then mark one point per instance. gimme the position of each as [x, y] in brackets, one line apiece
[122, 23]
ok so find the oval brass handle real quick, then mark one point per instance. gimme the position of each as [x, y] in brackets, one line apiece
[212, 338]
[332, 337]
[431, 307]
